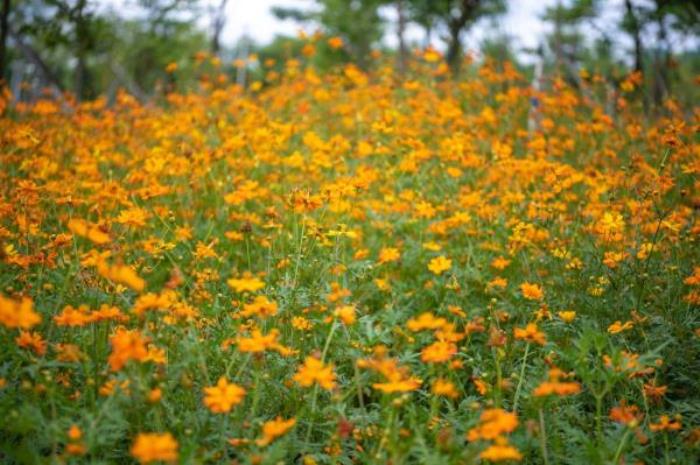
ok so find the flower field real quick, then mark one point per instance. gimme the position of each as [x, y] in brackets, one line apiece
[351, 268]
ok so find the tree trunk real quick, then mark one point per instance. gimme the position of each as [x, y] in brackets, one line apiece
[454, 50]
[81, 38]
[218, 26]
[400, 33]
[4, 31]
[31, 55]
[661, 61]
[467, 13]
[636, 35]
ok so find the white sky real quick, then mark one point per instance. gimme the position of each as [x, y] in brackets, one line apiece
[522, 22]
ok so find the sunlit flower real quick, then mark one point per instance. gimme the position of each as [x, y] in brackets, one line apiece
[315, 371]
[127, 345]
[619, 327]
[261, 307]
[438, 352]
[223, 396]
[154, 447]
[273, 429]
[440, 264]
[493, 423]
[443, 387]
[531, 291]
[247, 283]
[530, 333]
[18, 313]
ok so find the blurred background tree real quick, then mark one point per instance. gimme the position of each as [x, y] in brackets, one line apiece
[87, 49]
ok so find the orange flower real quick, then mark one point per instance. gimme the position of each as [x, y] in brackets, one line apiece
[259, 342]
[501, 451]
[335, 43]
[153, 447]
[619, 327]
[555, 386]
[273, 429]
[88, 230]
[425, 320]
[500, 263]
[31, 340]
[346, 313]
[443, 387]
[493, 423]
[71, 316]
[18, 314]
[531, 291]
[530, 334]
[68, 353]
[154, 395]
[438, 352]
[399, 379]
[439, 265]
[654, 392]
[127, 345]
[389, 254]
[665, 424]
[75, 447]
[222, 397]
[626, 414]
[121, 274]
[261, 307]
[315, 371]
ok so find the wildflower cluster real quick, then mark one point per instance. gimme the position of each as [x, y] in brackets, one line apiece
[351, 268]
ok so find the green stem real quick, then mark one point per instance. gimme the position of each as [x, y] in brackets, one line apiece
[599, 417]
[621, 447]
[520, 379]
[543, 438]
[315, 393]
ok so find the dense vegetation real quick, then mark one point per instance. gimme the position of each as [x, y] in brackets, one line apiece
[351, 267]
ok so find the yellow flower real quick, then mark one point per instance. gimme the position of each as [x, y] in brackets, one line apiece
[273, 429]
[259, 342]
[153, 447]
[18, 314]
[222, 397]
[619, 327]
[425, 320]
[567, 316]
[530, 334]
[531, 291]
[247, 283]
[89, 231]
[121, 274]
[500, 263]
[399, 379]
[389, 254]
[440, 264]
[346, 313]
[500, 452]
[261, 306]
[493, 423]
[315, 371]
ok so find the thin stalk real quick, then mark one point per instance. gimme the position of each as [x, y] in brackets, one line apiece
[543, 438]
[520, 379]
[621, 446]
